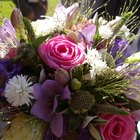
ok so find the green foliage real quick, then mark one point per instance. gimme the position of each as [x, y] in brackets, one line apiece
[98, 121]
[124, 20]
[107, 57]
[109, 109]
[74, 122]
[111, 82]
[133, 105]
[79, 71]
[29, 29]
[40, 39]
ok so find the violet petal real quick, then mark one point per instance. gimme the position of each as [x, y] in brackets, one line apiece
[41, 110]
[51, 88]
[37, 91]
[57, 125]
[66, 93]
[55, 103]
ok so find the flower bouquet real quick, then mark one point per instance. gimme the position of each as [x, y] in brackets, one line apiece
[68, 77]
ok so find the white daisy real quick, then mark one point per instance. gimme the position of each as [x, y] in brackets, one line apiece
[94, 59]
[18, 91]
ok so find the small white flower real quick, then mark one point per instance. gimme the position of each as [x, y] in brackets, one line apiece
[94, 59]
[105, 31]
[56, 22]
[125, 31]
[47, 26]
[114, 21]
[18, 91]
[102, 21]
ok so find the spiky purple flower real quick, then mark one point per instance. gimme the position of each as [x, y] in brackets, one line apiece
[8, 39]
[119, 50]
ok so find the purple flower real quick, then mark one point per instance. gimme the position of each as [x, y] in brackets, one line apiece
[48, 95]
[134, 87]
[88, 32]
[136, 115]
[8, 39]
[119, 50]
[7, 71]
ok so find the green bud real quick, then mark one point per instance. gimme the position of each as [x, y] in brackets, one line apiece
[133, 58]
[75, 84]
[16, 18]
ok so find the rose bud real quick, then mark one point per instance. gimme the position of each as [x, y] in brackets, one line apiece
[16, 18]
[62, 76]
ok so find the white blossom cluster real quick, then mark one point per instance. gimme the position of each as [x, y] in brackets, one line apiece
[94, 59]
[106, 28]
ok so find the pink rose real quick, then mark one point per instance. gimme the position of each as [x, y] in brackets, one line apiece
[118, 127]
[61, 51]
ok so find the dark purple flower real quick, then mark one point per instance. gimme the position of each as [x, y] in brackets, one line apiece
[47, 97]
[119, 50]
[84, 134]
[7, 71]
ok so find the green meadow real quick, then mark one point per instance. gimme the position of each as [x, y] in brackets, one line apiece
[6, 6]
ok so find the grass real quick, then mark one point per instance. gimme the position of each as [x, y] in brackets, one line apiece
[6, 7]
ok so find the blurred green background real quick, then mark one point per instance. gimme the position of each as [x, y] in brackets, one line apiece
[6, 7]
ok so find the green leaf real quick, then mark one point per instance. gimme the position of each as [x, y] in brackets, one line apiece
[40, 39]
[120, 23]
[25, 127]
[87, 120]
[99, 121]
[133, 105]
[74, 122]
[97, 38]
[109, 109]
[107, 58]
[94, 132]
[77, 72]
[29, 29]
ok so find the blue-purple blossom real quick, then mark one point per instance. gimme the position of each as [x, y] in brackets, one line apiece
[7, 71]
[119, 50]
[47, 97]
[8, 39]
